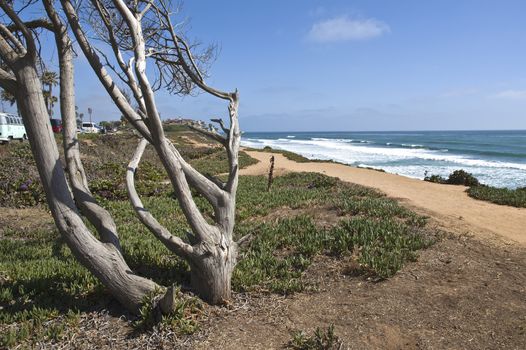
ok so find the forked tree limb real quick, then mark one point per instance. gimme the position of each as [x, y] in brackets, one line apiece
[101, 259]
[213, 251]
[208, 188]
[139, 51]
[221, 124]
[200, 227]
[10, 37]
[118, 98]
[126, 68]
[211, 135]
[17, 22]
[99, 217]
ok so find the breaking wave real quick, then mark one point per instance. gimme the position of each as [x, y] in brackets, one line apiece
[409, 159]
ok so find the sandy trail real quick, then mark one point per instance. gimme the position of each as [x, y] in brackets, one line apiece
[449, 205]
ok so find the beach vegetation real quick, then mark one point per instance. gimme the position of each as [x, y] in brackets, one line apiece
[176, 128]
[462, 177]
[371, 168]
[304, 216]
[435, 179]
[503, 196]
[320, 339]
[105, 164]
[457, 177]
[177, 66]
[182, 320]
[287, 154]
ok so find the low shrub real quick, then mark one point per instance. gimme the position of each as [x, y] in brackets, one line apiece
[182, 319]
[457, 177]
[435, 179]
[217, 162]
[175, 128]
[319, 340]
[461, 177]
[503, 196]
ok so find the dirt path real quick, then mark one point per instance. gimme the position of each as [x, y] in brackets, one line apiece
[461, 294]
[449, 205]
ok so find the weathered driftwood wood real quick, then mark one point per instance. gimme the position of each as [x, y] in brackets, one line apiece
[173, 243]
[103, 259]
[211, 251]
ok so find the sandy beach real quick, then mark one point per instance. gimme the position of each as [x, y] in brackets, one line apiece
[449, 206]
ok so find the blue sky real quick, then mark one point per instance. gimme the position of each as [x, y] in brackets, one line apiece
[305, 65]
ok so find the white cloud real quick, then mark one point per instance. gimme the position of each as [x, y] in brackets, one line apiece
[344, 28]
[511, 94]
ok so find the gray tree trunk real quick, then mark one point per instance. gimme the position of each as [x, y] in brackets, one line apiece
[211, 272]
[103, 260]
[212, 251]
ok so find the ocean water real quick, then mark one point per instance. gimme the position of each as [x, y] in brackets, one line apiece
[496, 158]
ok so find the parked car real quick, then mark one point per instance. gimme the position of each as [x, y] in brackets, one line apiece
[90, 128]
[56, 125]
[11, 128]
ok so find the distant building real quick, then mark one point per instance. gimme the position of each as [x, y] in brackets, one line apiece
[186, 121]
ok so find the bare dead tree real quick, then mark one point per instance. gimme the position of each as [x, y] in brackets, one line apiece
[211, 250]
[102, 257]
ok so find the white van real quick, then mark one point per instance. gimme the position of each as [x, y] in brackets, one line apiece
[90, 128]
[11, 128]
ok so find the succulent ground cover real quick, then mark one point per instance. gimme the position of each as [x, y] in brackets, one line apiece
[503, 196]
[44, 292]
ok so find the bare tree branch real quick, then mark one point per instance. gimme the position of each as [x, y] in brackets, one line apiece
[103, 260]
[127, 69]
[8, 81]
[96, 215]
[110, 86]
[209, 134]
[9, 37]
[173, 243]
[34, 24]
[222, 125]
[30, 42]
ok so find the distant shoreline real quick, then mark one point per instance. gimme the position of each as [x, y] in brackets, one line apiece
[449, 205]
[383, 131]
[496, 158]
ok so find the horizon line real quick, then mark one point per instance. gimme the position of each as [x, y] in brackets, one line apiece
[422, 130]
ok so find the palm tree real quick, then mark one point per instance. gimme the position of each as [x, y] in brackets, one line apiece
[7, 96]
[50, 101]
[49, 79]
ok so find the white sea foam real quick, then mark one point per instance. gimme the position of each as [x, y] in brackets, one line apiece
[411, 160]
